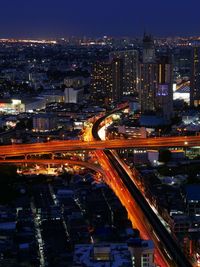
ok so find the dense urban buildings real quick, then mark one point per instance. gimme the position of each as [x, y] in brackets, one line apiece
[66, 197]
[195, 80]
[129, 61]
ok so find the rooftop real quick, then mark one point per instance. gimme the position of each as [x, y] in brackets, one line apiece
[102, 255]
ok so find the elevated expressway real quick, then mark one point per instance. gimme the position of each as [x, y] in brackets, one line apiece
[121, 180]
[91, 166]
[118, 178]
[77, 145]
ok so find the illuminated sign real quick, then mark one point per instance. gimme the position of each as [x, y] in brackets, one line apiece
[163, 90]
[16, 102]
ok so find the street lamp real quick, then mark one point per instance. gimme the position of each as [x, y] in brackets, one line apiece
[185, 149]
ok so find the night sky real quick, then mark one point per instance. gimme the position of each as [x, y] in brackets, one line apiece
[57, 18]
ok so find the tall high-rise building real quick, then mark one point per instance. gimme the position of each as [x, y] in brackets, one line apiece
[195, 77]
[117, 79]
[148, 76]
[106, 81]
[156, 81]
[182, 62]
[130, 61]
[101, 82]
[164, 93]
[148, 55]
[148, 86]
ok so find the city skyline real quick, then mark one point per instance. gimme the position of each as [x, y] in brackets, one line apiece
[49, 19]
[99, 133]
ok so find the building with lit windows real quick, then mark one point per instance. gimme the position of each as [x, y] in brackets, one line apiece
[11, 106]
[155, 81]
[148, 86]
[101, 82]
[132, 132]
[195, 78]
[112, 80]
[148, 53]
[44, 122]
[117, 79]
[142, 252]
[130, 63]
[164, 93]
[75, 82]
[106, 81]
[148, 76]
[182, 63]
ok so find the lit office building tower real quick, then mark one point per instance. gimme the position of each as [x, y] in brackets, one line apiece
[182, 62]
[117, 80]
[130, 62]
[106, 82]
[155, 81]
[148, 55]
[148, 86]
[164, 93]
[148, 76]
[101, 83]
[195, 78]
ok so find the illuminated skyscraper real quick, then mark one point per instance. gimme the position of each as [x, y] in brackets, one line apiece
[101, 82]
[155, 79]
[148, 86]
[117, 80]
[106, 81]
[148, 55]
[164, 93]
[130, 62]
[195, 77]
[148, 76]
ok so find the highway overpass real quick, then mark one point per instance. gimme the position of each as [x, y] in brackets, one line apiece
[169, 251]
[91, 166]
[16, 150]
